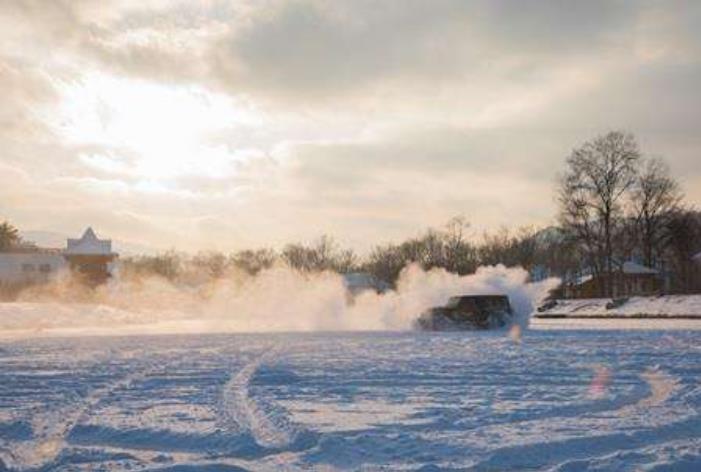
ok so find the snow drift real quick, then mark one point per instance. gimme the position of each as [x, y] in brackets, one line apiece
[668, 306]
[278, 299]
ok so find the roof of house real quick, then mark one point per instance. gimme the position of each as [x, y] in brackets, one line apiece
[628, 268]
[583, 279]
[634, 268]
[89, 244]
[358, 279]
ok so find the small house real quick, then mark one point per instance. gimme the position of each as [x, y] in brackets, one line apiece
[26, 264]
[90, 257]
[631, 279]
[359, 282]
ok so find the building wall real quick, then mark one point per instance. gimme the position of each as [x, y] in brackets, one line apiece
[627, 285]
[29, 267]
[92, 269]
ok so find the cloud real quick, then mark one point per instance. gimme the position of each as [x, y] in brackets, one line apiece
[368, 120]
[315, 49]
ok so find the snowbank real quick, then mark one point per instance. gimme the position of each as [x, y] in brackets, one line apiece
[670, 306]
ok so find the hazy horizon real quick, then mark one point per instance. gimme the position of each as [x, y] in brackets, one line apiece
[229, 125]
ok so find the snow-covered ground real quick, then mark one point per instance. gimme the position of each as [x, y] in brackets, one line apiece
[558, 400]
[663, 306]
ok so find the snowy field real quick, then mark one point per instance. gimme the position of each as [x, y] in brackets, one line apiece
[669, 306]
[560, 400]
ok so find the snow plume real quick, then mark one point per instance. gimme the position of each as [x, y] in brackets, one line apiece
[278, 299]
[418, 290]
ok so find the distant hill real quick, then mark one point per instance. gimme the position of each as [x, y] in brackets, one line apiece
[550, 234]
[58, 240]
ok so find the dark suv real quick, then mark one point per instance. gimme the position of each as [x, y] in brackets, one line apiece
[467, 312]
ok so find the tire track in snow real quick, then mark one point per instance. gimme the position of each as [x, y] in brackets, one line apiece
[662, 387]
[51, 429]
[270, 429]
[651, 413]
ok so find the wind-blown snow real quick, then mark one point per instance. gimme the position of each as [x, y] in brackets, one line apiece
[276, 300]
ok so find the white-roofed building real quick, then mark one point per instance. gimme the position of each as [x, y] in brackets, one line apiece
[633, 268]
[88, 244]
[27, 267]
[359, 282]
[89, 257]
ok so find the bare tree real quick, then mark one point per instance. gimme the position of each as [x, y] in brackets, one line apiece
[503, 247]
[447, 248]
[297, 257]
[211, 263]
[496, 248]
[556, 253]
[9, 236]
[591, 195]
[433, 250]
[253, 261]
[655, 198]
[684, 232]
[525, 247]
[385, 263]
[168, 265]
[460, 254]
[324, 254]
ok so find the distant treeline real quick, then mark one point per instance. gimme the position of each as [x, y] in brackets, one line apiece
[543, 252]
[615, 205]
[447, 248]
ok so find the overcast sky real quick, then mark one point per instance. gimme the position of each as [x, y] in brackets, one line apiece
[213, 124]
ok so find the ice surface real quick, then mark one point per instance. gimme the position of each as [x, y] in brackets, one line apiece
[558, 400]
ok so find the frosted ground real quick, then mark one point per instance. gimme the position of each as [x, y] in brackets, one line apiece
[560, 400]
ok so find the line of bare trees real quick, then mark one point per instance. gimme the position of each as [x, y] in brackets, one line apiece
[449, 247]
[452, 247]
[616, 204]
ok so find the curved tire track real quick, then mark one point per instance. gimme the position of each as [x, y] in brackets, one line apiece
[51, 429]
[647, 422]
[271, 428]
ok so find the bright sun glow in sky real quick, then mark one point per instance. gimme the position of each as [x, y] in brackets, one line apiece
[243, 124]
[154, 131]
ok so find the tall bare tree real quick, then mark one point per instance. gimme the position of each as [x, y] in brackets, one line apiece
[519, 248]
[460, 255]
[385, 263]
[591, 196]
[684, 229]
[655, 198]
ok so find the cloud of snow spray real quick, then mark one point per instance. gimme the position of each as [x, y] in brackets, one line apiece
[278, 299]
